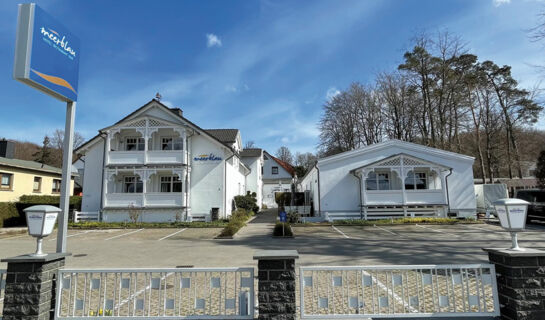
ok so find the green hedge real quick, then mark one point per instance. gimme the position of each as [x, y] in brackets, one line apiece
[12, 213]
[282, 229]
[237, 221]
[9, 216]
[420, 220]
[247, 202]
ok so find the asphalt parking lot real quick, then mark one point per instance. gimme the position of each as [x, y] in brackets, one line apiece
[323, 245]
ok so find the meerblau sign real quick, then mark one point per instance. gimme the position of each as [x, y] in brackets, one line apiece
[207, 157]
[46, 54]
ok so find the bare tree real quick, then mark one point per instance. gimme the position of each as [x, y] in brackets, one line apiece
[283, 153]
[249, 144]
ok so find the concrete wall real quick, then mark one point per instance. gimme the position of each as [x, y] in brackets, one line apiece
[92, 178]
[23, 184]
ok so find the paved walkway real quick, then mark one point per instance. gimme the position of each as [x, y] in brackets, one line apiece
[260, 227]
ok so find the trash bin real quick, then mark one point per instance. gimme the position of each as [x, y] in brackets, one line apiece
[215, 214]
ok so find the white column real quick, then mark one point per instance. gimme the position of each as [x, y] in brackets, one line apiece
[444, 185]
[363, 191]
[107, 148]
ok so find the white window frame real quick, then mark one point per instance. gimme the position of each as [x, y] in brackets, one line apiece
[139, 141]
[136, 182]
[170, 181]
[414, 177]
[272, 170]
[175, 141]
[377, 181]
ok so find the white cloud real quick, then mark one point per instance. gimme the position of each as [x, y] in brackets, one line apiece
[498, 3]
[212, 40]
[331, 93]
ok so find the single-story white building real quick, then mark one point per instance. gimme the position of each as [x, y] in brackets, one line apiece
[392, 178]
[167, 167]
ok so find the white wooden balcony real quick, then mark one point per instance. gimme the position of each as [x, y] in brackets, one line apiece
[146, 157]
[148, 200]
[417, 197]
[384, 197]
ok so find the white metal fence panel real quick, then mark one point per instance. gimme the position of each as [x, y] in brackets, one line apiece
[178, 293]
[86, 216]
[403, 291]
[2, 290]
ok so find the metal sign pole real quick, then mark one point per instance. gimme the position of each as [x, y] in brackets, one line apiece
[66, 175]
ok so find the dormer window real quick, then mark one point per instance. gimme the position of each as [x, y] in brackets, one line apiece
[274, 170]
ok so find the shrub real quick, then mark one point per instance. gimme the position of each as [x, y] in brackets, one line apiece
[264, 207]
[237, 221]
[293, 217]
[420, 220]
[282, 229]
[127, 225]
[75, 201]
[9, 216]
[247, 202]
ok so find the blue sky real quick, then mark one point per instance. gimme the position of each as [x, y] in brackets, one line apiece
[265, 67]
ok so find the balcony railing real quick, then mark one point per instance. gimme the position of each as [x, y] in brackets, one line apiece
[147, 157]
[148, 200]
[395, 197]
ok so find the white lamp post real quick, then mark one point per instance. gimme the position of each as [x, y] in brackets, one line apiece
[40, 221]
[512, 215]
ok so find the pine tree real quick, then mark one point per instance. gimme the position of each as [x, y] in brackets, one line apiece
[44, 155]
[540, 170]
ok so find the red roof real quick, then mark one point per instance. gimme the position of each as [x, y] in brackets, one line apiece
[284, 165]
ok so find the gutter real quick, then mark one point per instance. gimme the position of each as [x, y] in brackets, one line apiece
[446, 186]
[103, 173]
[319, 196]
[225, 185]
[361, 200]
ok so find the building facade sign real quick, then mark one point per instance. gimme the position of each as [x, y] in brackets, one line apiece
[207, 157]
[46, 54]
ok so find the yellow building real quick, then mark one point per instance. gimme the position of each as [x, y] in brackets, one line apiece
[21, 177]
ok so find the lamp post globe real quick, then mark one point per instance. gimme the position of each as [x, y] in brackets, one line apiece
[41, 221]
[512, 215]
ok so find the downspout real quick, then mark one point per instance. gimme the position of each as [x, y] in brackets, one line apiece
[361, 200]
[446, 186]
[225, 185]
[187, 186]
[319, 197]
[102, 182]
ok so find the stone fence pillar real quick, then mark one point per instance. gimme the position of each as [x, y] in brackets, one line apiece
[276, 287]
[30, 286]
[521, 283]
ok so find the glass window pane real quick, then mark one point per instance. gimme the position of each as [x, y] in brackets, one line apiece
[371, 181]
[409, 181]
[420, 180]
[139, 186]
[177, 186]
[166, 144]
[6, 179]
[178, 144]
[165, 187]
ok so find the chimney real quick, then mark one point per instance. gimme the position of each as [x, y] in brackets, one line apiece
[7, 149]
[177, 111]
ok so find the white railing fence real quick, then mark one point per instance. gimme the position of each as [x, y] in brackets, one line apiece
[2, 288]
[178, 293]
[86, 216]
[402, 291]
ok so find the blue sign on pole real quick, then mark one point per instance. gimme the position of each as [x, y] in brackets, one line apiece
[46, 54]
[283, 216]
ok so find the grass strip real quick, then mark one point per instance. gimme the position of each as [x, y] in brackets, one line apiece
[93, 225]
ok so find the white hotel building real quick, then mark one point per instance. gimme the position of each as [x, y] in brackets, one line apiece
[157, 160]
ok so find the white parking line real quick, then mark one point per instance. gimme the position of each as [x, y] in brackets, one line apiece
[172, 234]
[72, 235]
[339, 231]
[383, 229]
[438, 231]
[24, 235]
[124, 234]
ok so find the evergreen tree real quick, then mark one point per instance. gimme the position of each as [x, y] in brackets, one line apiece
[540, 170]
[44, 155]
